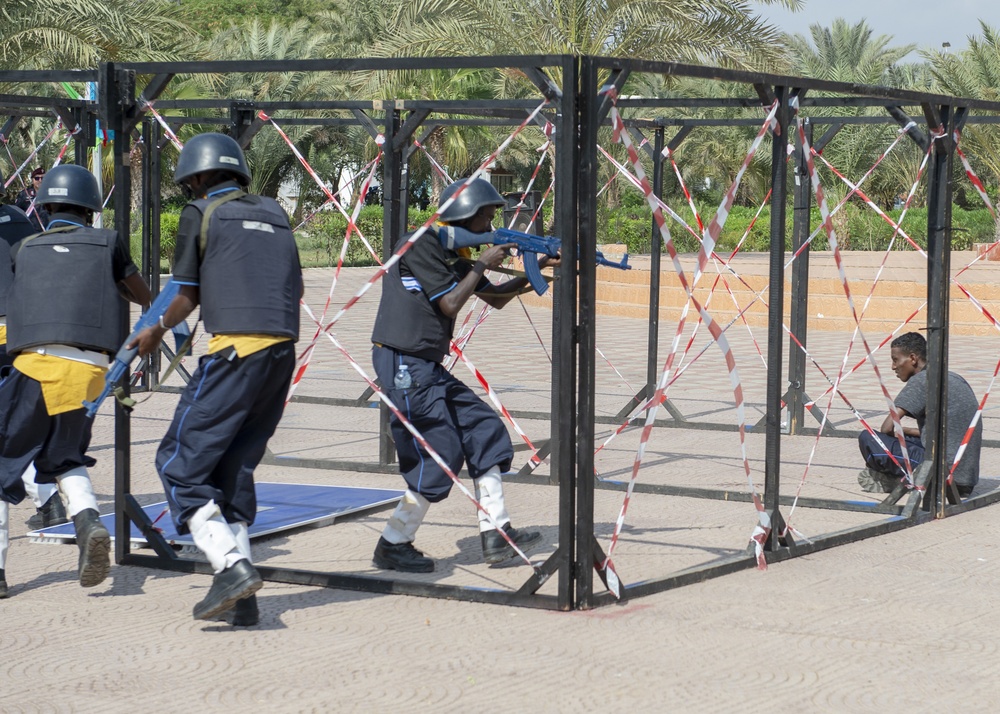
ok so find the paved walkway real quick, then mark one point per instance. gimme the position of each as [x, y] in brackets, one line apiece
[898, 622]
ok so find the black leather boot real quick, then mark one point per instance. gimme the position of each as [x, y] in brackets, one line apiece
[402, 557]
[94, 542]
[3, 584]
[238, 581]
[497, 550]
[52, 513]
[245, 612]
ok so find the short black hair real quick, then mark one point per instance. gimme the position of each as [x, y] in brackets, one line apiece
[912, 343]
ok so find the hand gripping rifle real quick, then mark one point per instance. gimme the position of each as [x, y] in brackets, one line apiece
[528, 247]
[125, 355]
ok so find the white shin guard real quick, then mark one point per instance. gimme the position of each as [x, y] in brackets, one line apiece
[77, 491]
[31, 488]
[214, 537]
[39, 493]
[409, 514]
[242, 535]
[4, 533]
[489, 493]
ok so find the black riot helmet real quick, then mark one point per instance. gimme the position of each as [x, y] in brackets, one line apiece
[70, 185]
[477, 194]
[212, 152]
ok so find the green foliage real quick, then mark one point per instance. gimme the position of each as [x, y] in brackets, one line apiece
[209, 16]
[861, 230]
[321, 239]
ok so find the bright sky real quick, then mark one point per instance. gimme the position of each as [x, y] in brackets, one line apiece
[927, 23]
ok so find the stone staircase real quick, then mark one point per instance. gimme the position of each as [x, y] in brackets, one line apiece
[901, 290]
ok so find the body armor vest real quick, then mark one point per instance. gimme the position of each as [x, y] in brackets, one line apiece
[408, 321]
[64, 292]
[14, 227]
[250, 275]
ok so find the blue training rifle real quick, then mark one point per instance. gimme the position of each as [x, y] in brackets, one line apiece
[125, 355]
[528, 247]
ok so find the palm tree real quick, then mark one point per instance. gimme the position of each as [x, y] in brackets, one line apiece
[81, 33]
[852, 53]
[974, 72]
[713, 31]
[845, 53]
[270, 158]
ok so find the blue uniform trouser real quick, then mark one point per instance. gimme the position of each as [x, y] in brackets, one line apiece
[457, 424]
[56, 444]
[876, 458]
[219, 433]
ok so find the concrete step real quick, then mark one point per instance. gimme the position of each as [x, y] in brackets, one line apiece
[900, 291]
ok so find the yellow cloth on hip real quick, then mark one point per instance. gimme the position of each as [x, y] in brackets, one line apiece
[245, 345]
[65, 382]
[3, 334]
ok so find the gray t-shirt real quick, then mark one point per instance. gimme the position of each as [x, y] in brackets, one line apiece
[962, 406]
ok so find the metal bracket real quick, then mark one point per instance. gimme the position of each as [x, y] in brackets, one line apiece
[617, 80]
[366, 121]
[913, 132]
[405, 133]
[679, 137]
[544, 83]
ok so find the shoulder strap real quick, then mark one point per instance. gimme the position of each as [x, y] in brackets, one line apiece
[207, 216]
[60, 229]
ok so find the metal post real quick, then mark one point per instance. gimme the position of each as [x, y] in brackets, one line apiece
[84, 137]
[116, 96]
[585, 260]
[801, 227]
[393, 227]
[655, 253]
[776, 297]
[938, 272]
[563, 428]
[153, 200]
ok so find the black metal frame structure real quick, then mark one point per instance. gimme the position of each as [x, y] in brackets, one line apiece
[580, 111]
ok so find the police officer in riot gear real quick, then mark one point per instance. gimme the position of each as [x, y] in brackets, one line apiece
[15, 226]
[421, 296]
[63, 324]
[236, 257]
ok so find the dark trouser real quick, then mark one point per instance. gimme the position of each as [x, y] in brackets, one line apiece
[876, 458]
[219, 433]
[457, 424]
[6, 360]
[56, 444]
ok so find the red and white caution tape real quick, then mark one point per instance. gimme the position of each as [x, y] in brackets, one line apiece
[827, 224]
[621, 135]
[351, 225]
[32, 155]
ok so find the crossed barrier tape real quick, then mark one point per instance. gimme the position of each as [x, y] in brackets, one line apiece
[32, 155]
[827, 224]
[762, 530]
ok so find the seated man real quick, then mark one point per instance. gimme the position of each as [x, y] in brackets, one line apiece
[909, 358]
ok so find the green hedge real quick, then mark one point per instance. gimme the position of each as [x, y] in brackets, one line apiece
[857, 226]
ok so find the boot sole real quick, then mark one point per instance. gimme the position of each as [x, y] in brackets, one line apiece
[96, 559]
[384, 564]
[506, 553]
[237, 591]
[249, 617]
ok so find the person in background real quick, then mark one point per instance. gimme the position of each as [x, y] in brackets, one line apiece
[64, 323]
[909, 362]
[25, 200]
